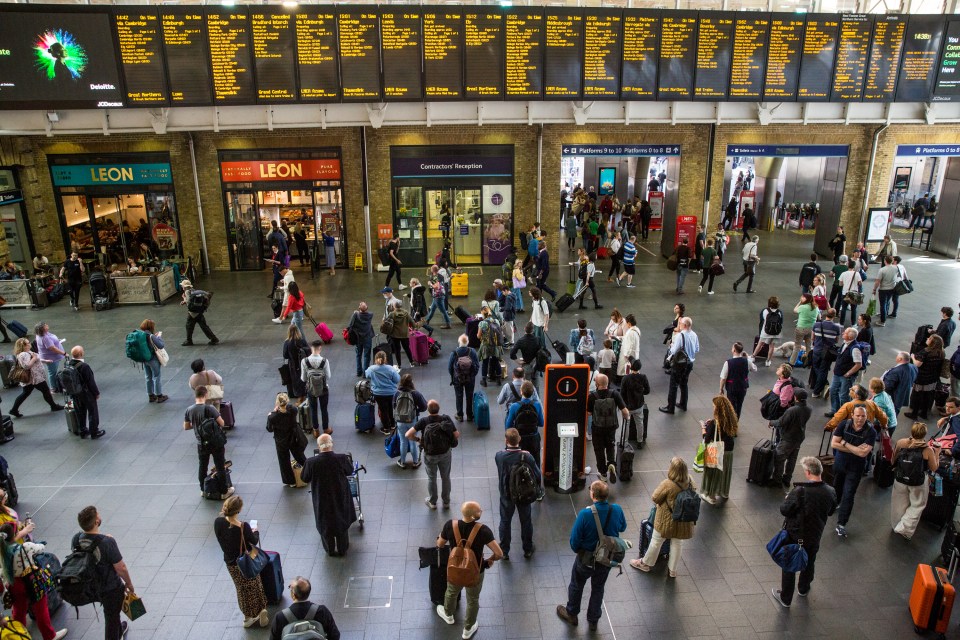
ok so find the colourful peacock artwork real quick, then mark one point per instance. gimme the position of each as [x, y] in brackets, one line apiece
[59, 56]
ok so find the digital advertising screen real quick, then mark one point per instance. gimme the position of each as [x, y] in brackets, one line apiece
[641, 53]
[140, 45]
[401, 44]
[918, 65]
[563, 54]
[273, 35]
[63, 59]
[948, 68]
[443, 54]
[185, 50]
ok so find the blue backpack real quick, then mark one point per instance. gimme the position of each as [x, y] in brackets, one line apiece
[865, 350]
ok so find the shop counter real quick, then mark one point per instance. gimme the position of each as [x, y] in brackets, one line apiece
[153, 287]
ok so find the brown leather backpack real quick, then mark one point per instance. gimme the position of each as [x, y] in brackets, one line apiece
[463, 570]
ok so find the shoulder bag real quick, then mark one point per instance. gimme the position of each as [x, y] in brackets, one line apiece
[789, 556]
[162, 356]
[251, 561]
[713, 452]
[214, 391]
[680, 358]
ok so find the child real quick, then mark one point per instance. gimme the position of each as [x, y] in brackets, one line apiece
[607, 360]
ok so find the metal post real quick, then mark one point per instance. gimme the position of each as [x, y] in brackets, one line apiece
[196, 189]
[366, 199]
[539, 169]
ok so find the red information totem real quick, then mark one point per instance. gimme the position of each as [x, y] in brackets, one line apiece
[686, 228]
[747, 199]
[656, 206]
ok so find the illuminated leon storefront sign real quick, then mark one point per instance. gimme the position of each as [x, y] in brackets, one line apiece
[265, 170]
[75, 175]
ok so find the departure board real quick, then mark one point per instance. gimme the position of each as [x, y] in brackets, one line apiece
[443, 54]
[784, 50]
[272, 34]
[317, 59]
[141, 57]
[714, 49]
[401, 41]
[185, 50]
[483, 55]
[524, 38]
[563, 54]
[853, 52]
[819, 53]
[359, 45]
[641, 53]
[678, 54]
[749, 59]
[948, 69]
[602, 47]
[231, 62]
[918, 66]
[885, 49]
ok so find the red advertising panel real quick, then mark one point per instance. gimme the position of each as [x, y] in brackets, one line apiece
[656, 204]
[746, 200]
[686, 228]
[272, 170]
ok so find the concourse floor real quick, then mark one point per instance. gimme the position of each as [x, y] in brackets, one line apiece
[142, 476]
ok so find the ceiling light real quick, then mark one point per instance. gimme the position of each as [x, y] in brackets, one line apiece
[289, 4]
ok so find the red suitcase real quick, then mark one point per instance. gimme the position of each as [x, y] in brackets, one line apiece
[324, 332]
[419, 347]
[226, 412]
[931, 599]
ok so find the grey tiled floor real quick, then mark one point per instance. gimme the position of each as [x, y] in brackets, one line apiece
[142, 477]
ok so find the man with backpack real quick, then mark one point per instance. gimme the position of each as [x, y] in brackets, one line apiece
[682, 354]
[519, 480]
[528, 346]
[826, 332]
[303, 620]
[95, 572]
[510, 392]
[602, 407]
[463, 366]
[315, 372]
[526, 417]
[850, 360]
[207, 426]
[438, 436]
[77, 381]
[197, 302]
[584, 540]
[466, 566]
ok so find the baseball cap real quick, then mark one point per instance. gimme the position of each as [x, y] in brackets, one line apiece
[386, 290]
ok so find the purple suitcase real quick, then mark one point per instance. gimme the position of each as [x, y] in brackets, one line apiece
[226, 412]
[419, 347]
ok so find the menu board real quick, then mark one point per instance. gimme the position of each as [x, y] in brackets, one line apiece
[678, 51]
[563, 54]
[784, 50]
[602, 46]
[359, 46]
[714, 48]
[749, 59]
[918, 66]
[443, 55]
[272, 33]
[948, 69]
[885, 49]
[853, 51]
[185, 50]
[401, 39]
[317, 59]
[483, 54]
[141, 57]
[641, 52]
[819, 52]
[231, 62]
[524, 54]
[63, 59]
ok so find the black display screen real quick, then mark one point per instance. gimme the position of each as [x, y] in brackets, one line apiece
[483, 55]
[641, 53]
[140, 47]
[524, 54]
[918, 66]
[819, 53]
[563, 54]
[784, 50]
[714, 49]
[749, 60]
[885, 50]
[231, 61]
[678, 54]
[948, 68]
[853, 53]
[58, 59]
[443, 54]
[358, 36]
[317, 57]
[273, 35]
[602, 47]
[185, 49]
[401, 45]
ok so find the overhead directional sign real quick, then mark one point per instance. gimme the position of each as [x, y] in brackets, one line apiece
[613, 150]
[789, 150]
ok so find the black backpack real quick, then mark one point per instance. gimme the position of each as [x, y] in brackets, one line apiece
[686, 507]
[604, 413]
[526, 422]
[198, 301]
[69, 379]
[524, 488]
[78, 581]
[210, 436]
[773, 324]
[911, 467]
[435, 439]
[524, 242]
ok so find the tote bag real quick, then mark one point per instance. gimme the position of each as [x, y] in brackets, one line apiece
[713, 453]
[250, 562]
[214, 391]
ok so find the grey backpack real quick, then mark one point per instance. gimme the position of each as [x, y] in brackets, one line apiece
[307, 629]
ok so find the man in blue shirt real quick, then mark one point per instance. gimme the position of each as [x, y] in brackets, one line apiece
[680, 373]
[629, 257]
[825, 335]
[852, 443]
[506, 460]
[584, 540]
[526, 417]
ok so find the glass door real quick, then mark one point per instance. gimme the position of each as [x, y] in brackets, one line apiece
[108, 221]
[437, 205]
[408, 222]
[467, 217]
[328, 210]
[243, 231]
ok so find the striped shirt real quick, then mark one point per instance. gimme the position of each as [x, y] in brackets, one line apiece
[629, 252]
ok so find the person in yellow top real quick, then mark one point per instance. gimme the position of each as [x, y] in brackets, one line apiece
[858, 398]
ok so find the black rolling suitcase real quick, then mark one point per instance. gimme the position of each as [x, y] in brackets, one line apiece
[386, 348]
[949, 544]
[826, 458]
[940, 509]
[563, 303]
[462, 314]
[646, 535]
[761, 463]
[435, 558]
[6, 366]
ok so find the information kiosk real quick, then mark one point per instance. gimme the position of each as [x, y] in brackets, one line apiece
[565, 392]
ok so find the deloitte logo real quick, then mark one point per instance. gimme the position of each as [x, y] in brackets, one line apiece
[496, 199]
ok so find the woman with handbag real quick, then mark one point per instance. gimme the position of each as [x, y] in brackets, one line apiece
[29, 371]
[151, 368]
[820, 292]
[288, 437]
[712, 266]
[25, 583]
[296, 304]
[664, 526]
[209, 379]
[718, 470]
[929, 363]
[294, 350]
[237, 539]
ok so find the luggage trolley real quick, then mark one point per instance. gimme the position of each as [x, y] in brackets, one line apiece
[354, 482]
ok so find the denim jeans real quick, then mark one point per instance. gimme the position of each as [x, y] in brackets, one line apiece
[439, 463]
[296, 318]
[151, 372]
[441, 304]
[597, 575]
[844, 305]
[845, 483]
[52, 369]
[896, 303]
[507, 507]
[363, 348]
[884, 298]
[681, 277]
[839, 391]
[518, 296]
[407, 446]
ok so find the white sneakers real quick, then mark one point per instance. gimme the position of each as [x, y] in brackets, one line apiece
[402, 287]
[276, 321]
[468, 632]
[443, 614]
[60, 634]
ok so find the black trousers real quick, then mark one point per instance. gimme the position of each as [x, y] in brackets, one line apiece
[42, 387]
[678, 381]
[736, 399]
[385, 405]
[286, 449]
[788, 578]
[219, 461]
[603, 447]
[644, 228]
[112, 602]
[336, 544]
[707, 275]
[195, 321]
[396, 344]
[88, 414]
[394, 270]
[593, 290]
[75, 292]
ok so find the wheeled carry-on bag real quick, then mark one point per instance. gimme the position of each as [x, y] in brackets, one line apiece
[462, 314]
[931, 598]
[761, 463]
[226, 412]
[419, 347]
[625, 453]
[6, 366]
[826, 458]
[940, 509]
[73, 422]
[324, 332]
[272, 578]
[563, 302]
[364, 417]
[211, 485]
[646, 535]
[18, 328]
[481, 411]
